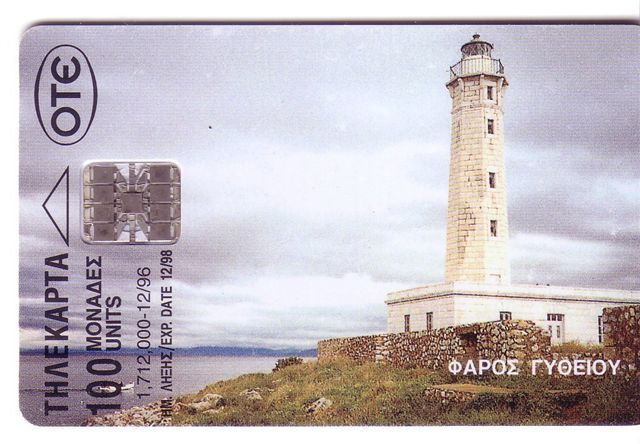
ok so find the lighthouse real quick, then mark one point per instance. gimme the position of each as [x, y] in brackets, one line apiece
[477, 223]
[477, 286]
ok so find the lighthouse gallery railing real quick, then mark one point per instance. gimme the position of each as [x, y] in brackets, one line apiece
[476, 66]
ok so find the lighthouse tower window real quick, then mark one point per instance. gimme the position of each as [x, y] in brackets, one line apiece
[490, 126]
[489, 92]
[492, 180]
[494, 228]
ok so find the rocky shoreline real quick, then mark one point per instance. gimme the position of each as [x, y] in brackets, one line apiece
[148, 415]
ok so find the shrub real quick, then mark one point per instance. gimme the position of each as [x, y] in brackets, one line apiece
[612, 400]
[520, 404]
[286, 362]
[576, 347]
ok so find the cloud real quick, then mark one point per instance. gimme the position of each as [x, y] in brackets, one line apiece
[558, 260]
[292, 311]
[295, 311]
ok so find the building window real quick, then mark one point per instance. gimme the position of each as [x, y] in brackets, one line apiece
[490, 92]
[490, 126]
[558, 317]
[492, 180]
[494, 228]
[505, 315]
[430, 321]
[407, 323]
[600, 330]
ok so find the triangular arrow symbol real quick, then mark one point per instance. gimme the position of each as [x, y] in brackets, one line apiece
[64, 180]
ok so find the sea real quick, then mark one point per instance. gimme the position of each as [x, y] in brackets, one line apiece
[190, 375]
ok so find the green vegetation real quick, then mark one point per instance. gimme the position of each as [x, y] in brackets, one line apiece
[372, 394]
[474, 388]
[576, 347]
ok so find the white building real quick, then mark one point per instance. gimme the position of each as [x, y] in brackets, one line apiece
[477, 270]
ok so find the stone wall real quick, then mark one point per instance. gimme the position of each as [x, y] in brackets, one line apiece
[622, 336]
[360, 349]
[521, 340]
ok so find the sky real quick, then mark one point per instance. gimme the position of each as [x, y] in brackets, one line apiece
[315, 166]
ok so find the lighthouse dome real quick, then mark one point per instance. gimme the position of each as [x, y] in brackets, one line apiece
[476, 47]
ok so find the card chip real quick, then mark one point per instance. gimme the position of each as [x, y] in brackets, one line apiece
[131, 202]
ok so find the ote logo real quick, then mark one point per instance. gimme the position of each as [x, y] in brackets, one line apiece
[66, 95]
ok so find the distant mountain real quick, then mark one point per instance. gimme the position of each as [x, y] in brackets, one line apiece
[246, 351]
[210, 351]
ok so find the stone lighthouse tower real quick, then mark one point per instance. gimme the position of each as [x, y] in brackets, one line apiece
[477, 226]
[477, 287]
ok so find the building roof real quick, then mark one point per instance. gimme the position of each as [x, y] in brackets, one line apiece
[520, 291]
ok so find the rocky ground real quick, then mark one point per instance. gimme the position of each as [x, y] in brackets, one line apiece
[210, 404]
[147, 415]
